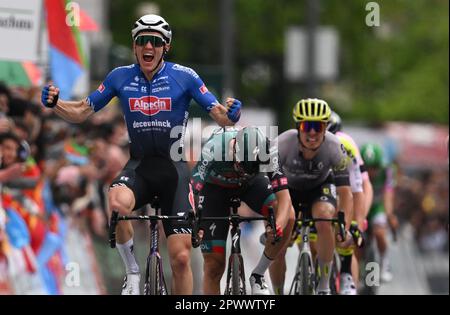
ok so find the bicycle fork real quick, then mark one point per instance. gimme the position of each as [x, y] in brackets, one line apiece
[235, 255]
[154, 258]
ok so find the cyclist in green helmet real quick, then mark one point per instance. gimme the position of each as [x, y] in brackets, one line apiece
[381, 213]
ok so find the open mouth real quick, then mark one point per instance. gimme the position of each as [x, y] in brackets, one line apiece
[148, 57]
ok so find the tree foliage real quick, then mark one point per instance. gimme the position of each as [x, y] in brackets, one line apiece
[397, 71]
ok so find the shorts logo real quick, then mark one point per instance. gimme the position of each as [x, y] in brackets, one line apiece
[150, 105]
[124, 178]
[333, 191]
[203, 89]
[101, 88]
[213, 227]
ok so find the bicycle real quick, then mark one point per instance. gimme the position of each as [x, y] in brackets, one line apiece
[155, 283]
[235, 284]
[305, 279]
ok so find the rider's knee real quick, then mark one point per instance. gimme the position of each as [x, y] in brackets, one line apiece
[180, 261]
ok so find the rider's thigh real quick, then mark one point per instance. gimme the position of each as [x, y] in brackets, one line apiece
[121, 198]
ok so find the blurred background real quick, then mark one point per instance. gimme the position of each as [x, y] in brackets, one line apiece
[382, 65]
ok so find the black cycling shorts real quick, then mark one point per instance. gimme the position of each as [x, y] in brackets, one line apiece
[215, 201]
[303, 200]
[157, 176]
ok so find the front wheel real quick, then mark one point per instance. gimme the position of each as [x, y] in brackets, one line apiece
[307, 276]
[236, 276]
[155, 283]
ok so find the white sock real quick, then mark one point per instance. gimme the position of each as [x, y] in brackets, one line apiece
[325, 274]
[127, 253]
[263, 264]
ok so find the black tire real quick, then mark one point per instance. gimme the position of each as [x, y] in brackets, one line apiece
[296, 283]
[155, 284]
[307, 283]
[237, 276]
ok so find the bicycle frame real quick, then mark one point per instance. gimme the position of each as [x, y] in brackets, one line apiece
[235, 220]
[155, 283]
[305, 250]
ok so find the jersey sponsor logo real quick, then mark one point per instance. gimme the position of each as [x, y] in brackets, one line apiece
[202, 169]
[152, 123]
[235, 239]
[161, 78]
[283, 181]
[185, 69]
[160, 89]
[101, 88]
[131, 88]
[203, 89]
[134, 84]
[182, 231]
[150, 105]
[143, 89]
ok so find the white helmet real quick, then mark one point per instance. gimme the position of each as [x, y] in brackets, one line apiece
[153, 23]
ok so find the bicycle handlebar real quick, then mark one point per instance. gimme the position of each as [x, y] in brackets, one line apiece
[340, 220]
[195, 219]
[115, 218]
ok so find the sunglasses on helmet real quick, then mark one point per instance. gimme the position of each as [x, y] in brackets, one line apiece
[156, 41]
[307, 126]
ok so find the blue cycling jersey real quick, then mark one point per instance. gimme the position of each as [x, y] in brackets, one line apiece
[153, 108]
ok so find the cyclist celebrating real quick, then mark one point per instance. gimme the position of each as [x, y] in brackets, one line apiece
[233, 165]
[382, 210]
[315, 163]
[361, 187]
[155, 97]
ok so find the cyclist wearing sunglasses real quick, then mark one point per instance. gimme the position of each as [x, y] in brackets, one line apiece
[315, 163]
[155, 97]
[240, 163]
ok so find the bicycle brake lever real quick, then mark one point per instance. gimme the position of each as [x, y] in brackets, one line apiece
[341, 223]
[273, 225]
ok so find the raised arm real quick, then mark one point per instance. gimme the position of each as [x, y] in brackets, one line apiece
[72, 111]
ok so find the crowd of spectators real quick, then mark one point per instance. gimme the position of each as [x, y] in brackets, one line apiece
[53, 175]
